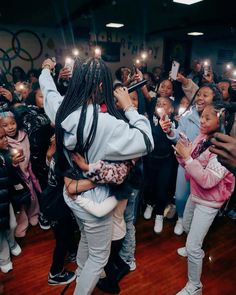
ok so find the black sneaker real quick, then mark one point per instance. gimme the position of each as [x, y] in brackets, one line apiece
[43, 222]
[62, 278]
[71, 257]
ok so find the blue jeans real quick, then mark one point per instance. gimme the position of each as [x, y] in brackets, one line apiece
[182, 191]
[129, 244]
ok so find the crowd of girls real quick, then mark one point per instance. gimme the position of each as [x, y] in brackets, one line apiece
[86, 155]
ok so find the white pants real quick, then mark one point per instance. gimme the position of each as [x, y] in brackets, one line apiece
[93, 252]
[197, 220]
[7, 240]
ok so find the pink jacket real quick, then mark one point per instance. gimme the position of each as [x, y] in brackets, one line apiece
[211, 184]
[27, 175]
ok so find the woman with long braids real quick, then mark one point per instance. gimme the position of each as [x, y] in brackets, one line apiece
[81, 127]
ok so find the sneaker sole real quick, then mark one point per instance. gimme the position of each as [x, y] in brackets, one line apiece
[62, 283]
[147, 218]
[44, 227]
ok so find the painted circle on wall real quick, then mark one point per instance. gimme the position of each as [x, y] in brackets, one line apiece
[17, 51]
[16, 47]
[5, 59]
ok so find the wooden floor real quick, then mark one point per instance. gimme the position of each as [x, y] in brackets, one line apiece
[160, 271]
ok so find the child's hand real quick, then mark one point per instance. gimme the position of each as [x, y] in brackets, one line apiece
[137, 76]
[6, 93]
[52, 148]
[165, 125]
[80, 161]
[64, 74]
[18, 158]
[182, 150]
[209, 78]
[183, 80]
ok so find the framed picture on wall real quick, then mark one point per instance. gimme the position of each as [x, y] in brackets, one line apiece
[179, 51]
[110, 51]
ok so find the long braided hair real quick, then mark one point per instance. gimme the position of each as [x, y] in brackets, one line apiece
[84, 88]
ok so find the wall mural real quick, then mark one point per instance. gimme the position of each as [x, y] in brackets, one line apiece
[18, 51]
[26, 48]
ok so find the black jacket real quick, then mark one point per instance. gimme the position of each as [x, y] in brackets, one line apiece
[12, 189]
[4, 193]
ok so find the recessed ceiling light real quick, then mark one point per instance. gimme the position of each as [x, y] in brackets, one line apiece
[187, 2]
[114, 25]
[195, 33]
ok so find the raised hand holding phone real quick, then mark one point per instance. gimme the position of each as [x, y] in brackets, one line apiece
[161, 113]
[182, 150]
[184, 139]
[174, 70]
[17, 156]
[69, 64]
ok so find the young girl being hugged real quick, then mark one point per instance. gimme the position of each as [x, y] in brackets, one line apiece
[18, 141]
[211, 184]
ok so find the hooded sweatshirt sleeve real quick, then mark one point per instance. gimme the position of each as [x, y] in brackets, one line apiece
[52, 98]
[126, 142]
[190, 89]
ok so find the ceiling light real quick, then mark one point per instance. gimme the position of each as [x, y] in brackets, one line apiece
[187, 2]
[195, 33]
[114, 25]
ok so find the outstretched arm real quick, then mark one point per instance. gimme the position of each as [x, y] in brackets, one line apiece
[52, 98]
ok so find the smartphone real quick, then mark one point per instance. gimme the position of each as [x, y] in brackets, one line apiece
[174, 70]
[184, 138]
[135, 70]
[206, 68]
[161, 113]
[221, 117]
[69, 64]
[181, 110]
[233, 78]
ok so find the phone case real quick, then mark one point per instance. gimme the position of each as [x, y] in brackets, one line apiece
[174, 70]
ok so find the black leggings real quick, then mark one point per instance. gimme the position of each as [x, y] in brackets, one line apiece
[114, 262]
[159, 179]
[64, 232]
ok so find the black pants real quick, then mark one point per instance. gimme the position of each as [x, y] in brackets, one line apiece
[114, 262]
[159, 179]
[64, 232]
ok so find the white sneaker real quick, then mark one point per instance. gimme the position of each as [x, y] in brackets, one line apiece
[148, 212]
[158, 227]
[102, 275]
[170, 211]
[16, 251]
[190, 290]
[6, 268]
[132, 265]
[182, 252]
[178, 230]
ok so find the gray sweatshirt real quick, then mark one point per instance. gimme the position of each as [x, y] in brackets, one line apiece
[114, 139]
